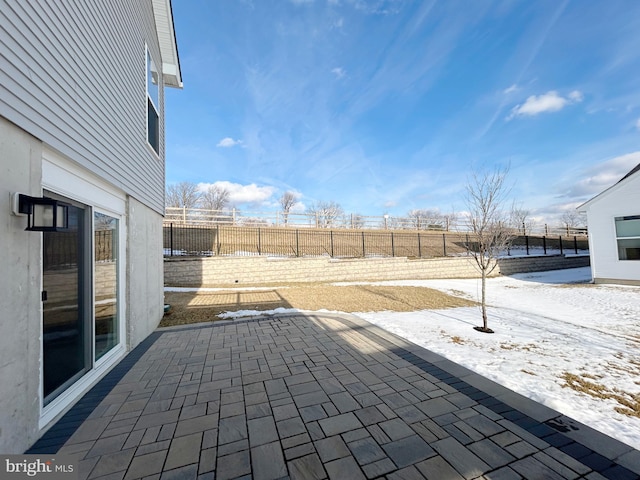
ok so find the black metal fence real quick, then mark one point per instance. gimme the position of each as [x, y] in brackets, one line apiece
[61, 248]
[286, 242]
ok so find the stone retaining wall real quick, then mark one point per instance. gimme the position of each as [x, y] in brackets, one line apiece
[216, 271]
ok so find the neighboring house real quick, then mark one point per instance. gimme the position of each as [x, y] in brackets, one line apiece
[613, 217]
[81, 123]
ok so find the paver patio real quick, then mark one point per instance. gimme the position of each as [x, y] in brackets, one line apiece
[317, 396]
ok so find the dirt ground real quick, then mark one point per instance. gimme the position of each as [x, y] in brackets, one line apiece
[204, 307]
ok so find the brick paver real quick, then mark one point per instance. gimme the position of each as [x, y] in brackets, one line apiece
[316, 397]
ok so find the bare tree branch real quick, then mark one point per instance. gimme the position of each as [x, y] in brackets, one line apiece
[520, 219]
[182, 195]
[426, 219]
[287, 201]
[326, 213]
[485, 196]
[215, 198]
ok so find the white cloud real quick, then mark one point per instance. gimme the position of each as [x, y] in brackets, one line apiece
[298, 207]
[603, 175]
[339, 72]
[228, 142]
[243, 194]
[638, 124]
[511, 89]
[547, 102]
[576, 96]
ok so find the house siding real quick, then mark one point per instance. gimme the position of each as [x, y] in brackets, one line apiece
[73, 74]
[620, 201]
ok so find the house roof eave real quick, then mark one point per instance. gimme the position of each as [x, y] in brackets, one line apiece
[163, 16]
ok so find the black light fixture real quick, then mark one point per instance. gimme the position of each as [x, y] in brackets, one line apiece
[43, 214]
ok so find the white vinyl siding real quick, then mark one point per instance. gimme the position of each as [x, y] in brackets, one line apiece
[605, 233]
[73, 76]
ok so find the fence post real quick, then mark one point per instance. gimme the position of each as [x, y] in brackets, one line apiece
[317, 220]
[575, 244]
[393, 248]
[467, 244]
[544, 244]
[526, 242]
[364, 253]
[444, 244]
[331, 235]
[259, 246]
[419, 247]
[171, 237]
[218, 238]
[233, 216]
[297, 244]
[560, 238]
[184, 214]
[546, 229]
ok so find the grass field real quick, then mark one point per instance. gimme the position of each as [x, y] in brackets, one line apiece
[194, 307]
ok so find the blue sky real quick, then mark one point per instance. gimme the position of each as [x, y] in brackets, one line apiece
[385, 106]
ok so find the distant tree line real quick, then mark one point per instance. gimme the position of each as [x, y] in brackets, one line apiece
[329, 213]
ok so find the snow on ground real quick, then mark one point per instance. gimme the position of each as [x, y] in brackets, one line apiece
[546, 331]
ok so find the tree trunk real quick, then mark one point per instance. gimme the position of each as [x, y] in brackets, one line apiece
[484, 299]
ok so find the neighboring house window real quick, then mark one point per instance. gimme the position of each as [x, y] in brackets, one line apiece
[628, 237]
[153, 94]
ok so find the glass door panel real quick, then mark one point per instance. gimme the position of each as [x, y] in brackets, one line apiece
[65, 347]
[106, 283]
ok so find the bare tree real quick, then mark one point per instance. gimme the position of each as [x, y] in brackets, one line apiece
[450, 220]
[572, 220]
[215, 197]
[326, 213]
[485, 196]
[356, 220]
[426, 219]
[287, 201]
[182, 195]
[521, 220]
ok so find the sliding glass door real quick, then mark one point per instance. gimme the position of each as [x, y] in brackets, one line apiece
[106, 305]
[80, 313]
[66, 283]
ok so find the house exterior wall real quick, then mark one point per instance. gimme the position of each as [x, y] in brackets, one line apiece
[621, 200]
[145, 304]
[73, 74]
[73, 122]
[20, 308]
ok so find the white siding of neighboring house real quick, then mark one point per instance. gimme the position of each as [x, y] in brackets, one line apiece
[73, 74]
[622, 199]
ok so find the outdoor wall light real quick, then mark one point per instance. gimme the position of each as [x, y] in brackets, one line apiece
[43, 214]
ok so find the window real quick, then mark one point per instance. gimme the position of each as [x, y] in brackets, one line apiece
[105, 233]
[153, 95]
[628, 237]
